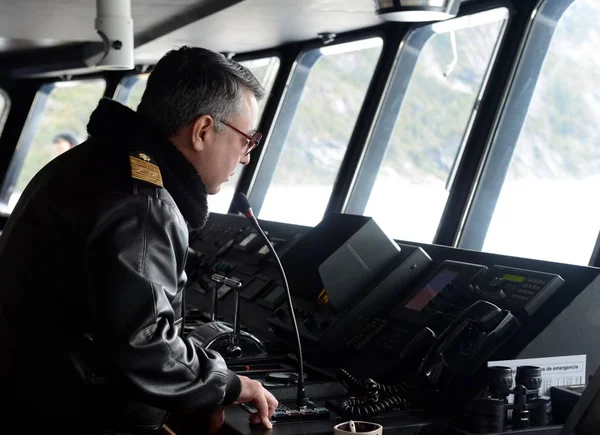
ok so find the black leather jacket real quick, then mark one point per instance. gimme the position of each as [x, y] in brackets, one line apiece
[91, 278]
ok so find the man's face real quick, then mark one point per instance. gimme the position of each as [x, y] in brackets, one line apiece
[61, 145]
[223, 151]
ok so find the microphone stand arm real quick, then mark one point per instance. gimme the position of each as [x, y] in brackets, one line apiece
[301, 400]
[243, 206]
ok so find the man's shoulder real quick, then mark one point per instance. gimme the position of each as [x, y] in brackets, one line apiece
[146, 178]
[144, 170]
[117, 170]
[114, 168]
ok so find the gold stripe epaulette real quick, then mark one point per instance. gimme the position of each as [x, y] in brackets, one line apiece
[144, 168]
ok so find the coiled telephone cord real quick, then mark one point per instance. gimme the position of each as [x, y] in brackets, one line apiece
[358, 408]
[379, 398]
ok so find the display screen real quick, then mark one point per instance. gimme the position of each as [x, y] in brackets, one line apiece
[513, 278]
[431, 289]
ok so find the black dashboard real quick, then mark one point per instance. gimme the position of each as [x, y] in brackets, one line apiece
[369, 307]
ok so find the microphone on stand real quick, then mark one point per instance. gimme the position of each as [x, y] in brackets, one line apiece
[242, 204]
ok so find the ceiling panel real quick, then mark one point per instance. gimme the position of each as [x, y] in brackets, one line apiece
[73, 20]
[159, 25]
[258, 24]
[10, 44]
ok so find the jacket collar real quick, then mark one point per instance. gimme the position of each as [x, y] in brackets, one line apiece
[120, 126]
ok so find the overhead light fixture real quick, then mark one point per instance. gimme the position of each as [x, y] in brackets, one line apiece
[416, 10]
[115, 27]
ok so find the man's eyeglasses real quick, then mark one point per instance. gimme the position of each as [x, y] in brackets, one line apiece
[252, 141]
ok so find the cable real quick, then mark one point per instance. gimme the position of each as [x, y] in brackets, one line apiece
[355, 407]
[379, 398]
[367, 385]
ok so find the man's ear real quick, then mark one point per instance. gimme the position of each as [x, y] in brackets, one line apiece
[201, 129]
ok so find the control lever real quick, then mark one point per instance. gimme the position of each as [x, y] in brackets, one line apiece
[214, 305]
[215, 333]
[233, 350]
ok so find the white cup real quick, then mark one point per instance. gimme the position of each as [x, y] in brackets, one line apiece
[360, 427]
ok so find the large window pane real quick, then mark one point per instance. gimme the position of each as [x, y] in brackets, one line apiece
[548, 205]
[60, 111]
[265, 71]
[320, 130]
[424, 122]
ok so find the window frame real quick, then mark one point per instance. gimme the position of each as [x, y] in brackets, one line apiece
[274, 142]
[30, 129]
[511, 118]
[125, 86]
[400, 77]
[4, 113]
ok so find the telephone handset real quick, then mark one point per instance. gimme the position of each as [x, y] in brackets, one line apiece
[460, 351]
[465, 346]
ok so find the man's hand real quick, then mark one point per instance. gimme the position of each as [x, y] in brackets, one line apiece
[264, 402]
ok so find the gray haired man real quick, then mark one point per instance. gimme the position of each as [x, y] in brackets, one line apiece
[92, 259]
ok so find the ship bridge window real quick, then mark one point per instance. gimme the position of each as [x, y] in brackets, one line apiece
[309, 139]
[424, 121]
[538, 195]
[57, 121]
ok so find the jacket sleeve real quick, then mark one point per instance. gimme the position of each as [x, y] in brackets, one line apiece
[134, 262]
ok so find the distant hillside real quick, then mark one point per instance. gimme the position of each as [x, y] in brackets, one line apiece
[559, 140]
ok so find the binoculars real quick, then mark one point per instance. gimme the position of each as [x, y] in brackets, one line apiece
[503, 406]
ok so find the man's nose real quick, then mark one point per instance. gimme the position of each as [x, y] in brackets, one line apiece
[245, 159]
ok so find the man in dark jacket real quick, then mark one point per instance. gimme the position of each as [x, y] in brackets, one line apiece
[92, 259]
